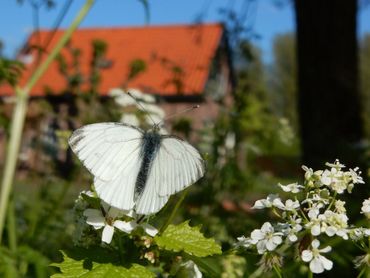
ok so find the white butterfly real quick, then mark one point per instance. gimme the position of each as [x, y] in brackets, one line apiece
[133, 168]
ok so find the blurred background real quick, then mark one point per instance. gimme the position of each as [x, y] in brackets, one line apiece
[279, 84]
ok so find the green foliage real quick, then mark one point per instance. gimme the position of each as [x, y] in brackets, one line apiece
[79, 268]
[183, 126]
[10, 71]
[136, 67]
[97, 61]
[21, 261]
[182, 237]
[284, 78]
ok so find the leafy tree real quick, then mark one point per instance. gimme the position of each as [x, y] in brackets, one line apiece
[283, 79]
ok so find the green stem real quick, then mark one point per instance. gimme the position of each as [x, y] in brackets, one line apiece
[310, 274]
[361, 273]
[257, 273]
[20, 110]
[11, 227]
[277, 271]
[173, 213]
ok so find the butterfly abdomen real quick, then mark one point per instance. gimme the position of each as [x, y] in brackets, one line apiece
[150, 145]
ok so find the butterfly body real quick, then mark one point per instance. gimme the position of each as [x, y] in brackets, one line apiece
[151, 142]
[136, 169]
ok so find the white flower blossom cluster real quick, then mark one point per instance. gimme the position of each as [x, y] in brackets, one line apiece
[313, 212]
[108, 219]
[143, 102]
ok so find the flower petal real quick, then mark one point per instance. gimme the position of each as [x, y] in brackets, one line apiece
[306, 255]
[330, 231]
[149, 229]
[92, 213]
[277, 240]
[316, 266]
[96, 221]
[315, 230]
[257, 234]
[124, 226]
[270, 245]
[267, 227]
[292, 237]
[107, 234]
[328, 264]
[315, 243]
[261, 246]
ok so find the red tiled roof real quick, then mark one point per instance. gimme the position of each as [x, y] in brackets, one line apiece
[189, 47]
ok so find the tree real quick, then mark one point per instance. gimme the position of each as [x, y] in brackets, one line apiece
[284, 78]
[329, 99]
[365, 81]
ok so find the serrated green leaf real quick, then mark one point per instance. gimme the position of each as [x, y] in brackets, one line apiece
[78, 268]
[182, 237]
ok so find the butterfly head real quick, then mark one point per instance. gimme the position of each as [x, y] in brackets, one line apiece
[157, 127]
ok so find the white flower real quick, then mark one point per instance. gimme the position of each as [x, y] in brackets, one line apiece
[329, 222]
[318, 263]
[337, 165]
[153, 109]
[309, 172]
[355, 175]
[245, 241]
[359, 233]
[266, 238]
[141, 96]
[316, 200]
[365, 206]
[130, 119]
[122, 98]
[339, 206]
[292, 187]
[314, 211]
[289, 205]
[295, 227]
[109, 221]
[271, 200]
[335, 224]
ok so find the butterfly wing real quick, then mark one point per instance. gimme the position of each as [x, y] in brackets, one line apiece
[107, 149]
[177, 165]
[111, 152]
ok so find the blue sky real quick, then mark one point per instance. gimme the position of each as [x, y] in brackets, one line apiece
[270, 20]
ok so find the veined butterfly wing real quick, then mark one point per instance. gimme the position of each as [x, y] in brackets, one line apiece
[107, 149]
[176, 165]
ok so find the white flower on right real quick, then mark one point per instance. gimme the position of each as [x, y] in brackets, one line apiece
[266, 238]
[271, 200]
[318, 263]
[292, 187]
[365, 206]
[289, 205]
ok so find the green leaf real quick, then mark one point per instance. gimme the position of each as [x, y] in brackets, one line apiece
[80, 268]
[94, 202]
[182, 237]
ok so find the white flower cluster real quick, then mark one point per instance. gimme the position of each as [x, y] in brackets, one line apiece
[109, 218]
[313, 209]
[153, 113]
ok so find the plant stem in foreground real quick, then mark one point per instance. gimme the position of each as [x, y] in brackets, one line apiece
[20, 110]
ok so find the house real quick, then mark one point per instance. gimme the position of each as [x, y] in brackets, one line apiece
[181, 65]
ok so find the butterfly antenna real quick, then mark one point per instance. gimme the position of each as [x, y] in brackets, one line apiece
[142, 107]
[181, 112]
